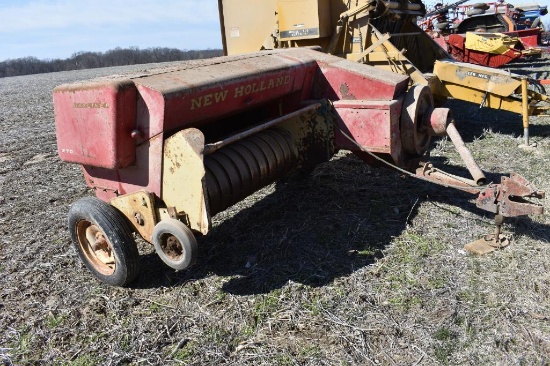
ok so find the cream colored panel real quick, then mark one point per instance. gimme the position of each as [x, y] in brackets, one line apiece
[248, 24]
[182, 178]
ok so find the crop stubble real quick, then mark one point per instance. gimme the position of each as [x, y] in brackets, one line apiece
[350, 265]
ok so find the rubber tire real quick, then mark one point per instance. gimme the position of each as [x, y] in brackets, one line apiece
[472, 12]
[186, 238]
[482, 6]
[116, 230]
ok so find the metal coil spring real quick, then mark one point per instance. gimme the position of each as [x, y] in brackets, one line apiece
[238, 170]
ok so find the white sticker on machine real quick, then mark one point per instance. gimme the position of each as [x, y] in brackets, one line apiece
[234, 32]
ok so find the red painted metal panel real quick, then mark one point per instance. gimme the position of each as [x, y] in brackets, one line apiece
[94, 122]
[193, 97]
[347, 80]
[459, 51]
[530, 37]
[372, 124]
[145, 174]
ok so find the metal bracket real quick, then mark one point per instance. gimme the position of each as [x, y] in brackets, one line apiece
[509, 198]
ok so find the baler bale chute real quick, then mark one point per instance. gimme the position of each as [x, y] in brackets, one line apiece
[379, 33]
[167, 149]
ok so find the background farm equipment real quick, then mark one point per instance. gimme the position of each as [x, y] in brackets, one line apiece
[378, 33]
[487, 49]
[167, 149]
[455, 26]
[494, 17]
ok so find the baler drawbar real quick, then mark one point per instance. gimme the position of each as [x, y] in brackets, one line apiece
[167, 149]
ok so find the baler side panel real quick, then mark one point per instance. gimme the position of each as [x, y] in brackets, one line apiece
[205, 96]
[145, 175]
[191, 98]
[94, 122]
[373, 125]
[183, 98]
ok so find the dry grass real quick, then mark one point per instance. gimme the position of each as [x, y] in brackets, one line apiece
[349, 266]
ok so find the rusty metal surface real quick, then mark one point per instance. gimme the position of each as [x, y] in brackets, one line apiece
[439, 120]
[487, 244]
[431, 173]
[312, 136]
[190, 97]
[417, 106]
[139, 208]
[210, 148]
[510, 198]
[372, 124]
[145, 174]
[170, 99]
[193, 97]
[96, 247]
[347, 80]
[465, 154]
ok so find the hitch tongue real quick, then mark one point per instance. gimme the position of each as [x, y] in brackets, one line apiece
[440, 122]
[465, 154]
[507, 199]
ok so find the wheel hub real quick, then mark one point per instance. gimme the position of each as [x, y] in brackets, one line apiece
[96, 247]
[172, 247]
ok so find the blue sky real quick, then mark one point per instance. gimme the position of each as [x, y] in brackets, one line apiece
[49, 29]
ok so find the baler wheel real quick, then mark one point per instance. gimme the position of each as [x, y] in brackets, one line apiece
[175, 244]
[103, 239]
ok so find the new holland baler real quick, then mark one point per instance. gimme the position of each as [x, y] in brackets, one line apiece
[166, 149]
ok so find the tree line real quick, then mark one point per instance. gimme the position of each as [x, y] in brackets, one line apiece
[89, 60]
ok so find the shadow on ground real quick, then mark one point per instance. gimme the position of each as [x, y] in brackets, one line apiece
[315, 229]
[472, 121]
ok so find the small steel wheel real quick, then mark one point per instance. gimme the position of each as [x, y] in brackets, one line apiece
[175, 244]
[103, 239]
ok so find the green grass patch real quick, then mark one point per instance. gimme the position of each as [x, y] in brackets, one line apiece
[53, 321]
[83, 360]
[266, 306]
[186, 352]
[446, 345]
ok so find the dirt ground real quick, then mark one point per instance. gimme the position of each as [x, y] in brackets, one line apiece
[351, 265]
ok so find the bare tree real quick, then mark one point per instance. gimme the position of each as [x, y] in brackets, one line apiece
[89, 60]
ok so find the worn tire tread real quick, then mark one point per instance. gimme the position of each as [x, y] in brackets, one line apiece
[116, 228]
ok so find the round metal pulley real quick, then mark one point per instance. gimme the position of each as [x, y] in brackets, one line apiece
[417, 108]
[175, 243]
